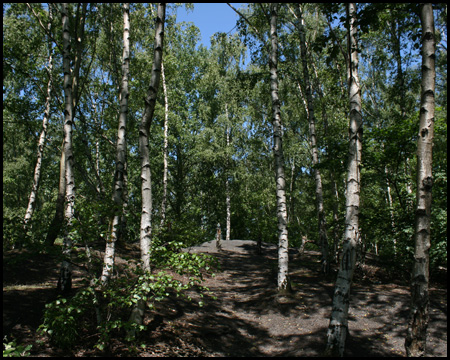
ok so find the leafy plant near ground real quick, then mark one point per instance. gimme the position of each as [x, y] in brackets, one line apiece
[61, 321]
[168, 254]
[11, 349]
[66, 320]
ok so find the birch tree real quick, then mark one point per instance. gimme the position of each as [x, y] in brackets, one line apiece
[121, 149]
[144, 133]
[283, 243]
[227, 180]
[283, 258]
[415, 343]
[165, 146]
[55, 226]
[65, 279]
[338, 327]
[43, 135]
[323, 239]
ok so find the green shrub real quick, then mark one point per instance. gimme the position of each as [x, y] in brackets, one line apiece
[61, 320]
[67, 318]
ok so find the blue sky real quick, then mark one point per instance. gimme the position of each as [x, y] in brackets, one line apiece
[210, 18]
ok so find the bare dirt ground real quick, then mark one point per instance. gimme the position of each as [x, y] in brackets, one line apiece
[248, 318]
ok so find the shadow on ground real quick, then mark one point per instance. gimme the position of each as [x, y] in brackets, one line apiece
[250, 319]
[243, 315]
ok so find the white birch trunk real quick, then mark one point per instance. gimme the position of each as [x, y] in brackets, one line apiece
[323, 239]
[121, 151]
[227, 181]
[137, 313]
[228, 204]
[65, 280]
[391, 208]
[144, 133]
[166, 145]
[416, 335]
[283, 258]
[338, 328]
[42, 137]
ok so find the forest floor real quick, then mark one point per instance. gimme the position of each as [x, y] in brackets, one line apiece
[248, 318]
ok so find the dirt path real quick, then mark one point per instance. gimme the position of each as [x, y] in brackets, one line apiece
[248, 318]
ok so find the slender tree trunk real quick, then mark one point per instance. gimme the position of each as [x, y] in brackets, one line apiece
[227, 181]
[121, 151]
[123, 217]
[401, 100]
[396, 46]
[291, 207]
[166, 146]
[123, 221]
[65, 280]
[415, 343]
[338, 328]
[79, 36]
[283, 258]
[228, 205]
[335, 203]
[391, 209]
[323, 239]
[144, 133]
[100, 188]
[58, 219]
[42, 137]
[336, 228]
[218, 238]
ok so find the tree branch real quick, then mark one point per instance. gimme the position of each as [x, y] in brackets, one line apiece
[248, 22]
[46, 31]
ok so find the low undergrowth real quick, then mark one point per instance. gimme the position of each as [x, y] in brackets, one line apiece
[102, 312]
